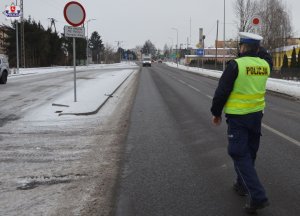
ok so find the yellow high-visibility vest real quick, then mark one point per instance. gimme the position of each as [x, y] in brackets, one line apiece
[248, 94]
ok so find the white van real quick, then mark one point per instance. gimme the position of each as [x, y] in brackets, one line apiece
[4, 69]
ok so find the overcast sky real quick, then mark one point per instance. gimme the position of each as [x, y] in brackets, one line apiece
[135, 21]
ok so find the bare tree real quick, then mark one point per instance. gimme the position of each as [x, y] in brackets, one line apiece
[276, 23]
[245, 10]
[110, 56]
[167, 50]
[275, 19]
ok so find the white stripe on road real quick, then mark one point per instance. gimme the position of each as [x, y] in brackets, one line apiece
[210, 97]
[296, 142]
[192, 87]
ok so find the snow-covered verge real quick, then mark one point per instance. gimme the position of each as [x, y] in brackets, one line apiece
[44, 70]
[90, 94]
[287, 87]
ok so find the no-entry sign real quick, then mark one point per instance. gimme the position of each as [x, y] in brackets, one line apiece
[256, 21]
[74, 13]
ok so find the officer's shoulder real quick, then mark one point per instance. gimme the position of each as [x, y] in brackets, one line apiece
[231, 63]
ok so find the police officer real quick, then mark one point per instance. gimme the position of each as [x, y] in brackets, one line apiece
[241, 93]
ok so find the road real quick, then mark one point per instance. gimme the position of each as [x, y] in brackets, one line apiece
[176, 162]
[66, 165]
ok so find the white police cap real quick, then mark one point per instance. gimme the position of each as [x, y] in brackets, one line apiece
[250, 38]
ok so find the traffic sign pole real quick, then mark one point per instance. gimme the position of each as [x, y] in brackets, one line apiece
[74, 14]
[74, 62]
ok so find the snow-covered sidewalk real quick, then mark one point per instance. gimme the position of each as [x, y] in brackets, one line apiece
[287, 87]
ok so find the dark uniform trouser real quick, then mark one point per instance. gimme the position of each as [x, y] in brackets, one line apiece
[244, 133]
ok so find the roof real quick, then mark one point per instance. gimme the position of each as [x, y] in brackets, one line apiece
[286, 48]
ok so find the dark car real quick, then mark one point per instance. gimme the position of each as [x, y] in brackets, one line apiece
[4, 70]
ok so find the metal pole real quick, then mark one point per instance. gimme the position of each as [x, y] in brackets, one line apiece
[87, 43]
[217, 44]
[224, 39]
[17, 42]
[190, 30]
[74, 62]
[17, 38]
[203, 54]
[177, 48]
[23, 54]
[176, 45]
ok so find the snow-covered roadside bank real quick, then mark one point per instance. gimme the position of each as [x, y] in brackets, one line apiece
[44, 70]
[291, 88]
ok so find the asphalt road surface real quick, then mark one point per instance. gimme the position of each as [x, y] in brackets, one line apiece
[176, 162]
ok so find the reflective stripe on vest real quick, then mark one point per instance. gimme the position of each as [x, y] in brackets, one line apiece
[248, 94]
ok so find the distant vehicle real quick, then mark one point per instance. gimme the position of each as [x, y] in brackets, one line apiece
[159, 61]
[4, 69]
[146, 59]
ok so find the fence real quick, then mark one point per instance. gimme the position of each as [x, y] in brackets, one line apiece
[287, 74]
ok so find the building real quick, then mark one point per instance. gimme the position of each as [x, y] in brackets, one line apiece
[212, 54]
[278, 55]
[2, 39]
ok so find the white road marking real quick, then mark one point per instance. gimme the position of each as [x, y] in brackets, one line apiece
[210, 97]
[192, 87]
[296, 142]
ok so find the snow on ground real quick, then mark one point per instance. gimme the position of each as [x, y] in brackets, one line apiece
[287, 87]
[91, 94]
[87, 101]
[44, 70]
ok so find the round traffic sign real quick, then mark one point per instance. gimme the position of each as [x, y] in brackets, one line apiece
[74, 13]
[256, 21]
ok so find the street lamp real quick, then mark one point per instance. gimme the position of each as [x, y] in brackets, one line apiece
[87, 40]
[176, 45]
[171, 49]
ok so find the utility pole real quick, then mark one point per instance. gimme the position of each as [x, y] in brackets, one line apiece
[22, 35]
[190, 30]
[87, 41]
[17, 42]
[176, 45]
[217, 38]
[52, 23]
[119, 45]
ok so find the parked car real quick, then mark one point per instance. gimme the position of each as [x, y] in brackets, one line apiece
[4, 69]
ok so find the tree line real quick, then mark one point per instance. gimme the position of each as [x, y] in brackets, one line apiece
[44, 47]
[275, 28]
[295, 61]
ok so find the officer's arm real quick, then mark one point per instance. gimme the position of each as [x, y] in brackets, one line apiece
[263, 54]
[224, 88]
